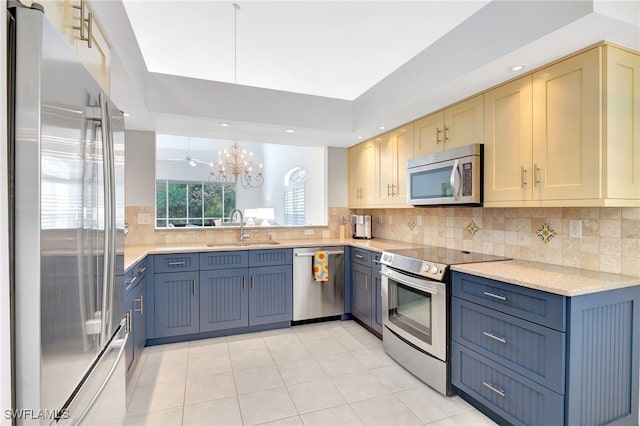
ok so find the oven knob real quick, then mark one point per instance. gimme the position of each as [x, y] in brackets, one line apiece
[434, 269]
[425, 267]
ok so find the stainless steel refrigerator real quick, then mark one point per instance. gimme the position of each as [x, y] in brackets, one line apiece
[67, 177]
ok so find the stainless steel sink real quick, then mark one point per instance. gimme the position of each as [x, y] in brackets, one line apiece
[244, 244]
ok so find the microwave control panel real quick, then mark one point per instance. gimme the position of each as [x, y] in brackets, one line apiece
[467, 179]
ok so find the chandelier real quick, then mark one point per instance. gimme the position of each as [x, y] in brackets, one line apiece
[235, 166]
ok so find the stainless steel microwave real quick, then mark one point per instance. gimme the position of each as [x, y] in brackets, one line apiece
[449, 177]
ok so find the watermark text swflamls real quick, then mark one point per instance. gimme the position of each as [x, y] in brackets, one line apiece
[31, 414]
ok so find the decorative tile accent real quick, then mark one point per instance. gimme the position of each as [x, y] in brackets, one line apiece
[411, 224]
[472, 227]
[546, 233]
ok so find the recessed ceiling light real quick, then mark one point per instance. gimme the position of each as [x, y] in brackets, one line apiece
[359, 137]
[381, 127]
[224, 124]
[290, 131]
[126, 114]
[516, 67]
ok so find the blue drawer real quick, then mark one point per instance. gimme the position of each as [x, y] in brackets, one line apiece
[270, 257]
[176, 262]
[532, 305]
[361, 256]
[224, 260]
[135, 274]
[530, 349]
[517, 399]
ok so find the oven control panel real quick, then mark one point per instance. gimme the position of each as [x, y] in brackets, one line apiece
[432, 270]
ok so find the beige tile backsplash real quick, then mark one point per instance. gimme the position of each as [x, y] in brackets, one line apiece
[610, 236]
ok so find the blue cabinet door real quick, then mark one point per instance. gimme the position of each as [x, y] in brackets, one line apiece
[361, 293]
[376, 322]
[176, 304]
[224, 302]
[139, 320]
[129, 349]
[271, 294]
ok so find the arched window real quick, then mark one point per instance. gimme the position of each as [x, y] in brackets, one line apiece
[294, 196]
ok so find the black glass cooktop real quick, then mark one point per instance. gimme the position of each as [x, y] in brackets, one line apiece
[432, 262]
[446, 256]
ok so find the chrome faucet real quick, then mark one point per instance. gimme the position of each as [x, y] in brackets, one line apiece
[242, 234]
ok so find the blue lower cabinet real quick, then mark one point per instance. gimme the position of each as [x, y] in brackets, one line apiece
[226, 293]
[517, 399]
[270, 294]
[362, 293]
[536, 358]
[224, 299]
[177, 304]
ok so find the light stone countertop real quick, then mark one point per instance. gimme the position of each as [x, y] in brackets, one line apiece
[562, 280]
[134, 254]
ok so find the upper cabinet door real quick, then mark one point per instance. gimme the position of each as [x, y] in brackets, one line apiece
[96, 58]
[66, 17]
[464, 123]
[622, 100]
[507, 149]
[428, 134]
[362, 163]
[566, 129]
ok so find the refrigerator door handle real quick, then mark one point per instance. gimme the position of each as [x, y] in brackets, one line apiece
[109, 217]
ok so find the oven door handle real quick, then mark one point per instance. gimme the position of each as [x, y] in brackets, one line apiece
[409, 282]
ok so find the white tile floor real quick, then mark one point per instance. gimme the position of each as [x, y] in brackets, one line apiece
[332, 373]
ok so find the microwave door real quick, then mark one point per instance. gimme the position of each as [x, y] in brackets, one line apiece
[432, 184]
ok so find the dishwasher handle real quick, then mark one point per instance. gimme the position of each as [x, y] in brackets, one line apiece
[330, 253]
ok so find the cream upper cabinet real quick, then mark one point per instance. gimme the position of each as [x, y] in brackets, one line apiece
[566, 129]
[566, 135]
[507, 147]
[362, 165]
[622, 114]
[77, 24]
[97, 57]
[393, 151]
[460, 124]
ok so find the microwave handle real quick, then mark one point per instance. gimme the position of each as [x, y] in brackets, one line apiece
[455, 189]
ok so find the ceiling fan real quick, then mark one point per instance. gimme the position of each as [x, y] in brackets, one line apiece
[193, 162]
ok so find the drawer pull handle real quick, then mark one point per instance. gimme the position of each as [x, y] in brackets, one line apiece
[496, 390]
[495, 296]
[132, 280]
[142, 270]
[494, 337]
[177, 263]
[359, 256]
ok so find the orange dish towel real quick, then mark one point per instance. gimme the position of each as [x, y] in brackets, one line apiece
[320, 265]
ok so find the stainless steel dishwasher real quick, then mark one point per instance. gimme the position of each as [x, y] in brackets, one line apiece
[312, 299]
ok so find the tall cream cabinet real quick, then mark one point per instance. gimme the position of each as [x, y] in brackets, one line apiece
[378, 169]
[362, 177]
[566, 135]
[394, 150]
[458, 125]
[78, 25]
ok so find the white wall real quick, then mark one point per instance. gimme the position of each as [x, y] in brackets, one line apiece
[5, 325]
[338, 181]
[140, 168]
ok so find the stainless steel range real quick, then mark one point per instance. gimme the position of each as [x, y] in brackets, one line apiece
[416, 303]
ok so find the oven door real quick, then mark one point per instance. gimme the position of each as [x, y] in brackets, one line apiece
[415, 309]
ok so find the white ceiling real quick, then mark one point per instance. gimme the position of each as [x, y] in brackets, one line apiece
[335, 72]
[332, 49]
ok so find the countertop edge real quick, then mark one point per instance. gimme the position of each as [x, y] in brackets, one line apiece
[135, 254]
[560, 280]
